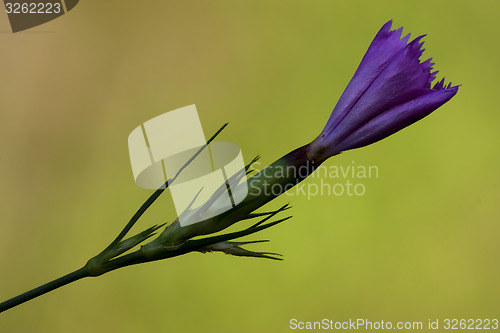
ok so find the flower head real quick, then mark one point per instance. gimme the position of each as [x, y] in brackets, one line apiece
[390, 90]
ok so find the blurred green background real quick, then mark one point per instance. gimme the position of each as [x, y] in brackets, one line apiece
[421, 243]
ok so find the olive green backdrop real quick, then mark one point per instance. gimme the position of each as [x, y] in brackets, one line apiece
[421, 243]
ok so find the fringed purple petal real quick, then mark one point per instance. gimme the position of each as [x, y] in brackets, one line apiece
[390, 90]
[401, 80]
[383, 48]
[397, 118]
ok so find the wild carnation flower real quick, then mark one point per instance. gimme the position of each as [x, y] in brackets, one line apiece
[390, 90]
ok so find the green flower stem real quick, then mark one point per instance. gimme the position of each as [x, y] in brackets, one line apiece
[43, 289]
[91, 269]
[176, 240]
[147, 253]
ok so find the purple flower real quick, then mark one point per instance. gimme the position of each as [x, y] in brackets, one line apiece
[390, 90]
